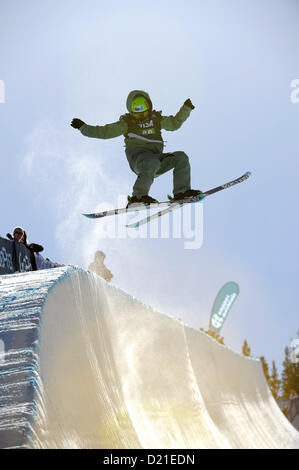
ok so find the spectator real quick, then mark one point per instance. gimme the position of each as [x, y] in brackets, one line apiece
[17, 235]
[37, 261]
[20, 236]
[98, 267]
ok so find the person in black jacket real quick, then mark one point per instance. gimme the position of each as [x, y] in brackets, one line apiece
[17, 235]
[20, 236]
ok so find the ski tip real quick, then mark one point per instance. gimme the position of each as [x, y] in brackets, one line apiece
[248, 173]
[132, 225]
[89, 216]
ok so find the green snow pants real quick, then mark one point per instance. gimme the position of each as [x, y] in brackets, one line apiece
[151, 165]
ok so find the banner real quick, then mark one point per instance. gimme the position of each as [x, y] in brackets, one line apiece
[15, 257]
[24, 258]
[7, 256]
[222, 305]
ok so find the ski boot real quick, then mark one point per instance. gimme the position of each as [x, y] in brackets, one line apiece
[187, 194]
[136, 201]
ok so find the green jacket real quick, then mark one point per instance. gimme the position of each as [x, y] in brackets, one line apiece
[137, 145]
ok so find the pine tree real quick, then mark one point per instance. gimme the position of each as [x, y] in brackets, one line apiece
[246, 351]
[295, 368]
[285, 374]
[274, 381]
[289, 376]
[265, 368]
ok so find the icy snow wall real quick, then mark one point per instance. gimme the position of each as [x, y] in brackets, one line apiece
[88, 366]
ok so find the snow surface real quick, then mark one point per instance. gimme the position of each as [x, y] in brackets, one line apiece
[88, 366]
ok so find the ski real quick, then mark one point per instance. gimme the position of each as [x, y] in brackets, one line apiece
[131, 208]
[176, 204]
[135, 207]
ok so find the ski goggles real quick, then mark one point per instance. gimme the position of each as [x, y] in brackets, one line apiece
[139, 105]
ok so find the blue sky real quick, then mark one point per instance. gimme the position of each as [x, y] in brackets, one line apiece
[236, 61]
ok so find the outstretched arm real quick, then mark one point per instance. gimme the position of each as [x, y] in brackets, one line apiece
[108, 131]
[172, 123]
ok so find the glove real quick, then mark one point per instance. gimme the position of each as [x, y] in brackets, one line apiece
[189, 104]
[35, 248]
[77, 123]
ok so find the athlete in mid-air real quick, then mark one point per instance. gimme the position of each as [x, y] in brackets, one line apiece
[141, 127]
